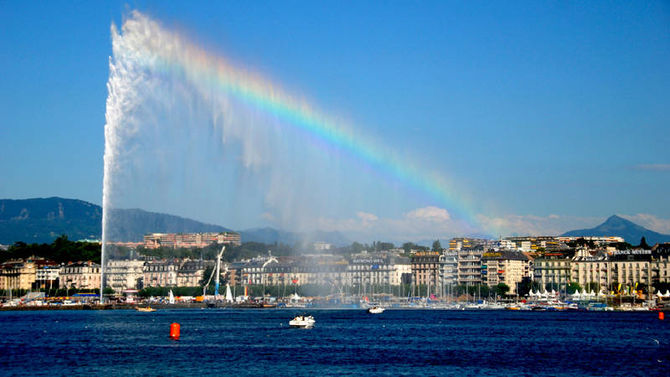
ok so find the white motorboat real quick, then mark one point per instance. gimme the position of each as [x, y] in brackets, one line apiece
[376, 310]
[302, 321]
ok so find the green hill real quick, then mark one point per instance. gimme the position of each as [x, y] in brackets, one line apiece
[42, 220]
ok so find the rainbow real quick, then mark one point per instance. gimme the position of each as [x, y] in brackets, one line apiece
[171, 53]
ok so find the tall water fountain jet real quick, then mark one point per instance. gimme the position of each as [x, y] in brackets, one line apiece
[186, 131]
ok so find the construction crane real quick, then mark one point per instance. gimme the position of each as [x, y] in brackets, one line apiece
[215, 272]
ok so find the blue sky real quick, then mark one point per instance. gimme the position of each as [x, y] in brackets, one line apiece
[551, 115]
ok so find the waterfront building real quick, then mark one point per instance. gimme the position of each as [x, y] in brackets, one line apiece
[376, 269]
[190, 240]
[324, 270]
[364, 273]
[660, 268]
[506, 267]
[160, 273]
[630, 270]
[47, 274]
[191, 272]
[17, 274]
[280, 272]
[470, 266]
[254, 271]
[123, 274]
[591, 268]
[425, 270]
[80, 275]
[552, 272]
[448, 276]
[616, 270]
[402, 270]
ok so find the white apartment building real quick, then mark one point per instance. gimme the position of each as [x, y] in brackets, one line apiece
[123, 274]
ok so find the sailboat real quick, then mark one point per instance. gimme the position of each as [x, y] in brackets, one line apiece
[229, 295]
[171, 297]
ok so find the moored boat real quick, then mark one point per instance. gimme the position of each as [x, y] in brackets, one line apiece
[145, 309]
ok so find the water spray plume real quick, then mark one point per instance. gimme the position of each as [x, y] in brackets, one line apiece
[162, 84]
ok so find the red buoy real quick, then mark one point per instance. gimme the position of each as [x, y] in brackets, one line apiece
[661, 316]
[174, 331]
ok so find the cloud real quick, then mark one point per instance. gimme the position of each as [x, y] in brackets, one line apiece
[367, 218]
[652, 167]
[551, 225]
[429, 213]
[420, 224]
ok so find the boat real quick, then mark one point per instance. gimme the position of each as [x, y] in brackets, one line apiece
[376, 310]
[302, 321]
[145, 309]
[473, 306]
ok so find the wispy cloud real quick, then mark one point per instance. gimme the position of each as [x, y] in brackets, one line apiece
[652, 167]
[366, 218]
[429, 213]
[551, 225]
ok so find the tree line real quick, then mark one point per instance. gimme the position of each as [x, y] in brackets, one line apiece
[61, 250]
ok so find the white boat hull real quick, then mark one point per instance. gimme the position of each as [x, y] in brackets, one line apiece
[302, 322]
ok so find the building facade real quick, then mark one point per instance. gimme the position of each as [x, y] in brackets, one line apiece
[426, 270]
[80, 275]
[470, 266]
[190, 240]
[17, 274]
[448, 270]
[160, 273]
[191, 272]
[124, 274]
[505, 267]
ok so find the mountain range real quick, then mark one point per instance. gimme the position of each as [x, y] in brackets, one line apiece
[41, 220]
[618, 226]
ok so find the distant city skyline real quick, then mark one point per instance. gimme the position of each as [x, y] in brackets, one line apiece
[543, 117]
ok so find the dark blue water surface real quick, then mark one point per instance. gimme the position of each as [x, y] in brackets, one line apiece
[344, 342]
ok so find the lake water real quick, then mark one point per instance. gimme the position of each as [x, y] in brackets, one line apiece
[344, 342]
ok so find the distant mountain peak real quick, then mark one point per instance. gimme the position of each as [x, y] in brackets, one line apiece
[616, 225]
